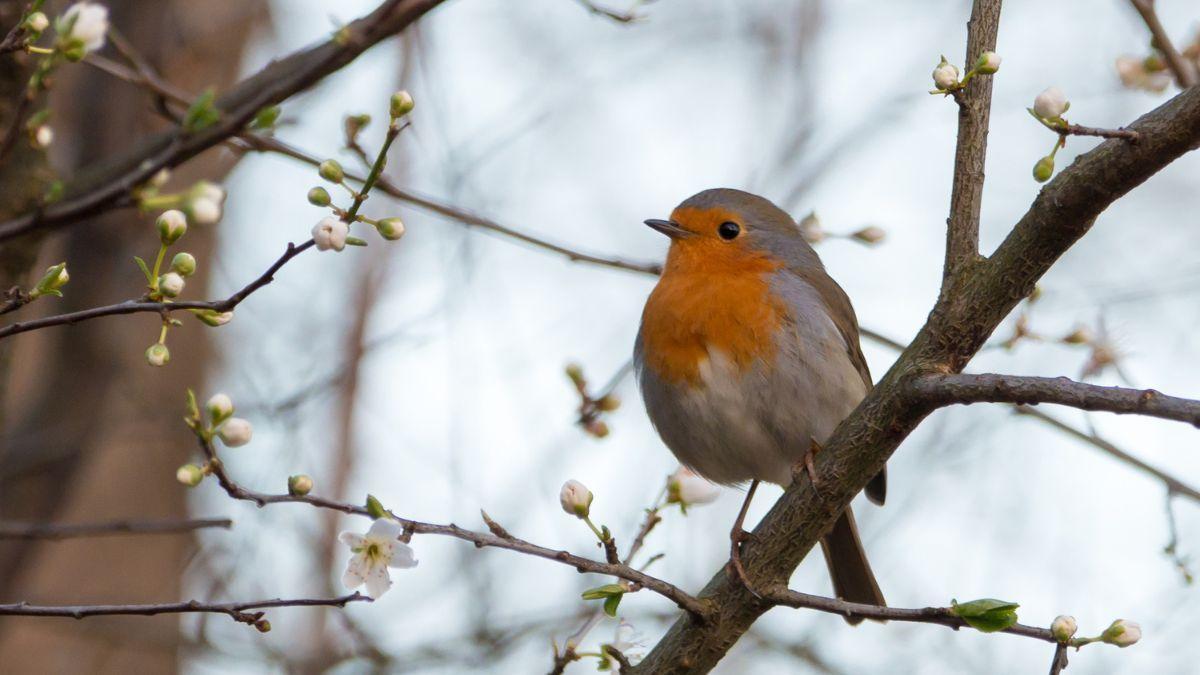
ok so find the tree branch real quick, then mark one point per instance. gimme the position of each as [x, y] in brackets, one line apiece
[53, 531]
[109, 186]
[1185, 74]
[974, 111]
[944, 390]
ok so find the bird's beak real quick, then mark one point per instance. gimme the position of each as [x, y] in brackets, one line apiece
[669, 228]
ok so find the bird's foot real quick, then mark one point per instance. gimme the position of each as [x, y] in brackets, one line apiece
[807, 464]
[736, 538]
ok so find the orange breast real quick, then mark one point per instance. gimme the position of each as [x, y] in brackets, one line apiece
[712, 294]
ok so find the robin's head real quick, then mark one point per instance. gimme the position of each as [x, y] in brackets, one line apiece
[729, 230]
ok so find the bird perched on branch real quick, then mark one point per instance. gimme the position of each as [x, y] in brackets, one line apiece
[748, 358]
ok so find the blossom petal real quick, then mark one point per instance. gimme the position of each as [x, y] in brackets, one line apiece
[352, 539]
[385, 528]
[378, 581]
[402, 557]
[356, 571]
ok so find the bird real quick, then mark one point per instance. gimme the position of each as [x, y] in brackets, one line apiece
[748, 358]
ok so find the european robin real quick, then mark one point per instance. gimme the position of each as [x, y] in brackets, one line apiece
[748, 357]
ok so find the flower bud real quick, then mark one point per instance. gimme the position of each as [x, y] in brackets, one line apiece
[1080, 336]
[608, 403]
[56, 277]
[575, 372]
[262, 626]
[1122, 633]
[988, 63]
[319, 196]
[597, 428]
[1051, 104]
[390, 228]
[235, 432]
[1043, 169]
[171, 226]
[170, 284]
[205, 211]
[190, 475]
[1063, 628]
[183, 264]
[331, 171]
[945, 76]
[43, 135]
[330, 233]
[212, 317]
[158, 354]
[687, 488]
[37, 22]
[810, 228]
[870, 235]
[401, 104]
[299, 485]
[575, 498]
[219, 407]
[160, 179]
[83, 27]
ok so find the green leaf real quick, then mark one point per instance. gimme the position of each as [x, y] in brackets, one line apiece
[202, 113]
[605, 591]
[611, 604]
[266, 118]
[987, 614]
[193, 409]
[145, 269]
[355, 241]
[375, 508]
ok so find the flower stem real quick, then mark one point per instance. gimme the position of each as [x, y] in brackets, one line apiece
[596, 530]
[158, 261]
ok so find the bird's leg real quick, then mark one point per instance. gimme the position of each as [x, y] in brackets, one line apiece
[806, 463]
[738, 536]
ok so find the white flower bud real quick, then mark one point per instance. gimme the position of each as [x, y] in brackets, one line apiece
[235, 432]
[390, 228]
[170, 284]
[330, 233]
[205, 211]
[208, 190]
[945, 76]
[190, 475]
[43, 136]
[988, 63]
[37, 22]
[687, 488]
[158, 354]
[401, 104]
[160, 179]
[171, 226]
[219, 407]
[575, 498]
[1063, 627]
[1051, 104]
[184, 263]
[299, 485]
[1122, 633]
[85, 23]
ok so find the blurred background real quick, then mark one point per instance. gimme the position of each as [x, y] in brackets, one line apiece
[430, 372]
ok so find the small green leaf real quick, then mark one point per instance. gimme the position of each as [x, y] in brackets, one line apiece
[605, 591]
[145, 269]
[987, 614]
[193, 409]
[355, 241]
[202, 113]
[375, 508]
[611, 604]
[266, 118]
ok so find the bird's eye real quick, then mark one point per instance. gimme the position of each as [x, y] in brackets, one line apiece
[729, 230]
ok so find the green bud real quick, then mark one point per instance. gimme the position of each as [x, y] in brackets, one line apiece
[331, 171]
[390, 228]
[987, 615]
[158, 354]
[319, 196]
[375, 507]
[190, 475]
[1043, 169]
[56, 277]
[184, 264]
[211, 317]
[266, 118]
[299, 485]
[74, 51]
[401, 104]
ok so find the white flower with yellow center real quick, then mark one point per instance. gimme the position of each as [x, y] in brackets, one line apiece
[374, 553]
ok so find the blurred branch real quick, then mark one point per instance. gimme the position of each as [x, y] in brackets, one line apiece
[162, 308]
[628, 16]
[51, 531]
[1185, 74]
[974, 111]
[241, 612]
[110, 186]
[967, 388]
[499, 538]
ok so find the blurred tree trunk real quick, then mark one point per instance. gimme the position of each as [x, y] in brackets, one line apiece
[91, 431]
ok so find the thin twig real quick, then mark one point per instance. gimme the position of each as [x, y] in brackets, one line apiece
[1185, 74]
[56, 531]
[628, 16]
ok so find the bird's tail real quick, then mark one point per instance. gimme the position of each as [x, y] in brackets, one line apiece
[852, 578]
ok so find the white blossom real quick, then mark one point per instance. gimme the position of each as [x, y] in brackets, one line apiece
[688, 488]
[170, 284]
[235, 432]
[205, 211]
[1051, 103]
[945, 76]
[575, 498]
[220, 407]
[86, 22]
[374, 553]
[1122, 633]
[43, 136]
[628, 640]
[989, 62]
[171, 226]
[1063, 627]
[37, 22]
[1135, 75]
[330, 233]
[158, 355]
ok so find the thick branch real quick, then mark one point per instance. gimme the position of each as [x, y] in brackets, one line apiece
[974, 111]
[109, 186]
[943, 390]
[53, 531]
[957, 327]
[1185, 74]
